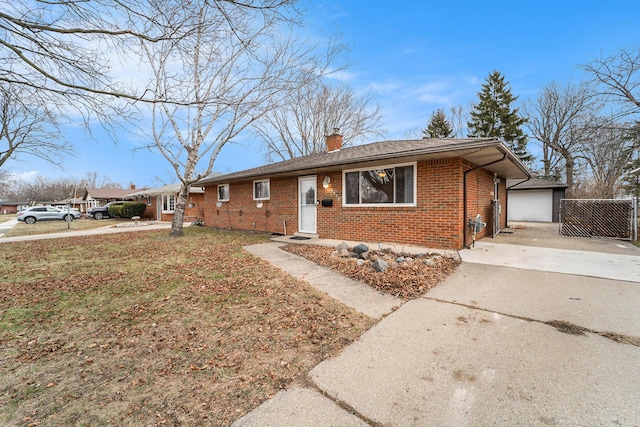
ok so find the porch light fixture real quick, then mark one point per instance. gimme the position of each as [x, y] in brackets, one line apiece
[382, 174]
[326, 182]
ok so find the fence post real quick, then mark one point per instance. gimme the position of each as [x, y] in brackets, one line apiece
[635, 218]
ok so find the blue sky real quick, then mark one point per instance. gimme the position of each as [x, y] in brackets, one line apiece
[414, 57]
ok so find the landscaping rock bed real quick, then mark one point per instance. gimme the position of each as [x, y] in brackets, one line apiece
[401, 275]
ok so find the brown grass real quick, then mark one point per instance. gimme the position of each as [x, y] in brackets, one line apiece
[139, 329]
[46, 227]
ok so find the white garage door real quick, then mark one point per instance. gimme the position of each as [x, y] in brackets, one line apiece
[530, 205]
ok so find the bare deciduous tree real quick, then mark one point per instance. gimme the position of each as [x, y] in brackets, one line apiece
[608, 150]
[28, 127]
[44, 189]
[618, 79]
[459, 116]
[226, 66]
[299, 127]
[559, 119]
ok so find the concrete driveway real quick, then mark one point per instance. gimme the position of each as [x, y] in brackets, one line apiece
[492, 345]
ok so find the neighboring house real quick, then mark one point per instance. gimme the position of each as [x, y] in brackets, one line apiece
[161, 202]
[536, 200]
[8, 207]
[95, 197]
[419, 192]
[75, 203]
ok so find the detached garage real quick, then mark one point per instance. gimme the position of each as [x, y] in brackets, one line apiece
[536, 200]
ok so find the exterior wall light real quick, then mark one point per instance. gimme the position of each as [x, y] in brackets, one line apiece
[326, 182]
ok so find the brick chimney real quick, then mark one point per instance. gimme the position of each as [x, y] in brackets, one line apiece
[334, 141]
[132, 186]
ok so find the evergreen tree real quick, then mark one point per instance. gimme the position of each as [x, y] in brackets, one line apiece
[438, 126]
[494, 117]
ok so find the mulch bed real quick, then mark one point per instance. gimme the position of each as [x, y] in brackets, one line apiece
[407, 280]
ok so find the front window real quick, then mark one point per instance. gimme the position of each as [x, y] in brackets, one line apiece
[223, 192]
[261, 190]
[390, 185]
[168, 203]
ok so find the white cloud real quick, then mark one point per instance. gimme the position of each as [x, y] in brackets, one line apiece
[28, 176]
[342, 75]
[383, 88]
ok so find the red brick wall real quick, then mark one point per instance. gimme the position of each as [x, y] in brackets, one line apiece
[480, 190]
[241, 211]
[190, 213]
[435, 222]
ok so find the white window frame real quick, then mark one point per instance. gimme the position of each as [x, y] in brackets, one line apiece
[168, 203]
[228, 193]
[380, 205]
[268, 182]
[148, 200]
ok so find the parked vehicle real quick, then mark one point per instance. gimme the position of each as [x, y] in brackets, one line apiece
[45, 213]
[101, 211]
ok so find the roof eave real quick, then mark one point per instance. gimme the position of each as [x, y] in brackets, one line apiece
[421, 153]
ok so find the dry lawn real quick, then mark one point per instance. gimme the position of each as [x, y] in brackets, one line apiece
[137, 329]
[46, 227]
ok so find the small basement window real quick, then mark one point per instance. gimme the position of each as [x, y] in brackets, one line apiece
[261, 190]
[223, 192]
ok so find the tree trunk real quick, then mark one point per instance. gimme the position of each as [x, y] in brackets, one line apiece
[178, 213]
[569, 166]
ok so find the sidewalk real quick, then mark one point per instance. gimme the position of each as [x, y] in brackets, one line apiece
[127, 227]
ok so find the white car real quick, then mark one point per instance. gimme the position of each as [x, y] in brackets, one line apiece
[46, 213]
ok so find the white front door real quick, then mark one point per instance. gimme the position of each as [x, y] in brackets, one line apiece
[307, 204]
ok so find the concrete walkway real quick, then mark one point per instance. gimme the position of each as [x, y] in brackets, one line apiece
[479, 349]
[355, 294]
[110, 229]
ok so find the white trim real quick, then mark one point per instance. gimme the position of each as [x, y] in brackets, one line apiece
[379, 205]
[169, 210]
[253, 189]
[228, 192]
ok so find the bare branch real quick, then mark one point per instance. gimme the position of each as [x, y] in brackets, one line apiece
[618, 79]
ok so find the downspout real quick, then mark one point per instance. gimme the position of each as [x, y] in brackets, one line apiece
[464, 195]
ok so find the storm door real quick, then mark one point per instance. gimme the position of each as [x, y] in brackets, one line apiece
[307, 199]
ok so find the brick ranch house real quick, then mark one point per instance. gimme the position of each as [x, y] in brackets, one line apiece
[417, 192]
[161, 202]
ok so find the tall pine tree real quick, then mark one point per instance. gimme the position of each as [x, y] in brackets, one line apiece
[494, 117]
[438, 126]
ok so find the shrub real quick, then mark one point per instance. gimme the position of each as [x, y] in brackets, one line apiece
[131, 209]
[115, 210]
[127, 209]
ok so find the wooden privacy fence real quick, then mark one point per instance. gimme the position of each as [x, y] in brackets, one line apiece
[599, 218]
